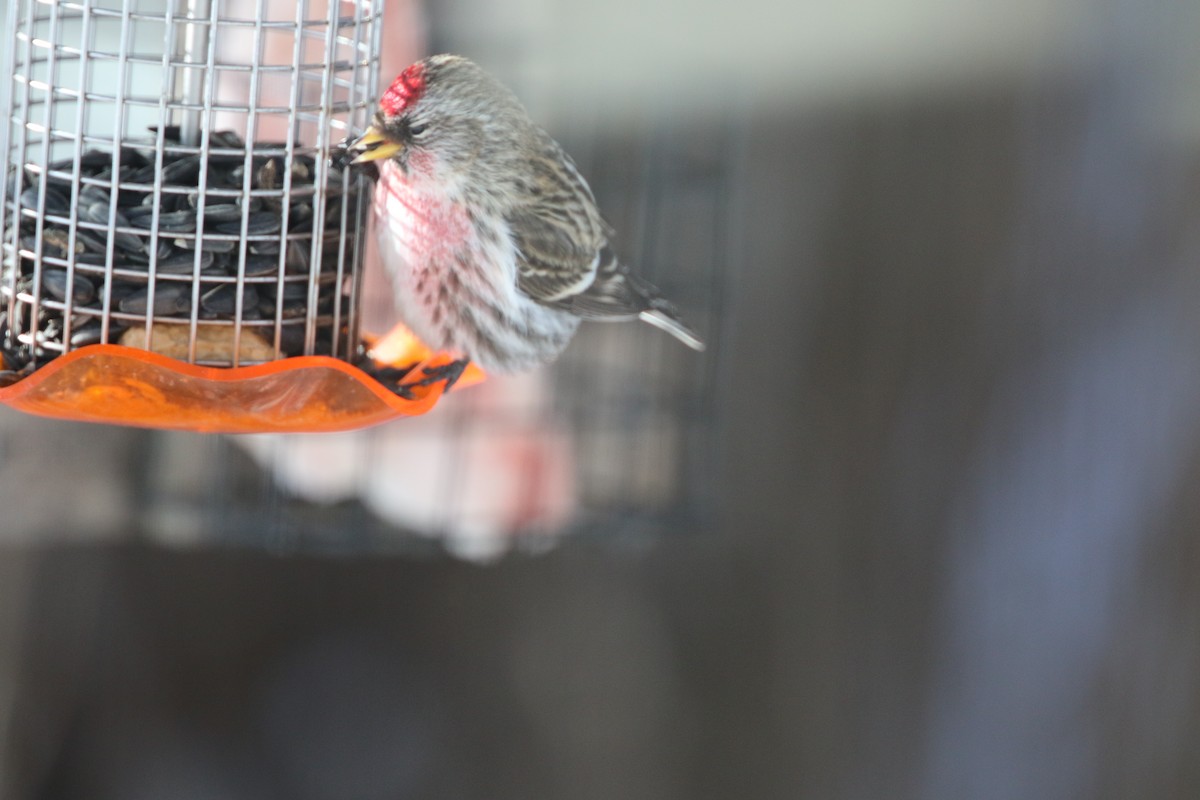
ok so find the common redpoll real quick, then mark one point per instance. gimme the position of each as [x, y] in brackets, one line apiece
[492, 237]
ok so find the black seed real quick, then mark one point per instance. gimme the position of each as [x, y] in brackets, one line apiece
[169, 298]
[56, 201]
[259, 224]
[145, 175]
[165, 249]
[228, 139]
[55, 282]
[267, 248]
[91, 161]
[140, 215]
[171, 133]
[173, 201]
[193, 200]
[222, 212]
[258, 266]
[171, 222]
[93, 194]
[184, 262]
[181, 171]
[223, 299]
[119, 290]
[292, 290]
[98, 213]
[93, 259]
[297, 256]
[95, 211]
[88, 333]
[299, 215]
[210, 245]
[131, 157]
[88, 240]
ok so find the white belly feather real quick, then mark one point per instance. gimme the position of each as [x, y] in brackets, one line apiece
[455, 280]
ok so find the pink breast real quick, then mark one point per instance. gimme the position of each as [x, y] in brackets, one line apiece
[417, 216]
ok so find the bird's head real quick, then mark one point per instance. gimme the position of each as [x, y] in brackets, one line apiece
[445, 119]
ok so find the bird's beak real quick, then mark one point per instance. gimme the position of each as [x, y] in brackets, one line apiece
[375, 146]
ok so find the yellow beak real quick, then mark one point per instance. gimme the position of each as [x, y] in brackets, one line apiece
[375, 146]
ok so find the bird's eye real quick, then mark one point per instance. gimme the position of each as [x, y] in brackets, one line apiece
[417, 130]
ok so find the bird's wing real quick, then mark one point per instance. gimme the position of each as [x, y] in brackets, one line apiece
[557, 230]
[564, 257]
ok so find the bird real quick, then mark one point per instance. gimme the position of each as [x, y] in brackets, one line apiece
[492, 238]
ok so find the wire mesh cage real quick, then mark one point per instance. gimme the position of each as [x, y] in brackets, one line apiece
[175, 191]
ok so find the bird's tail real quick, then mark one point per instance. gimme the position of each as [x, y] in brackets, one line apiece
[618, 293]
[664, 317]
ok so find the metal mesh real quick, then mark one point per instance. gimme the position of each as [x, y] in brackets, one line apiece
[133, 211]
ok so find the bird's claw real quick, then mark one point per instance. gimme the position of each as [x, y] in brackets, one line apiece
[450, 373]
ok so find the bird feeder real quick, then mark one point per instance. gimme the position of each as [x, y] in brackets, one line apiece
[182, 242]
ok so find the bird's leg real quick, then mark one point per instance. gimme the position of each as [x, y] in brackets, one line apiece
[393, 377]
[450, 373]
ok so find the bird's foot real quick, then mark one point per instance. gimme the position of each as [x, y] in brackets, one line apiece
[450, 373]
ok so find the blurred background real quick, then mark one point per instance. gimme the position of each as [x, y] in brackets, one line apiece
[920, 524]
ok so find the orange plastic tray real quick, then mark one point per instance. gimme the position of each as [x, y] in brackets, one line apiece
[118, 385]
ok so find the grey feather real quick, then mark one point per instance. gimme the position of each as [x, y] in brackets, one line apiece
[564, 257]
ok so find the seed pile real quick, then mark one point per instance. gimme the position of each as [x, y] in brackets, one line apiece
[194, 245]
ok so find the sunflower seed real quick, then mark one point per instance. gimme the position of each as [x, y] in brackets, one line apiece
[171, 133]
[209, 244]
[91, 193]
[184, 262]
[259, 224]
[223, 299]
[98, 213]
[228, 139]
[292, 290]
[182, 170]
[56, 201]
[222, 212]
[258, 266]
[89, 332]
[299, 215]
[170, 222]
[169, 298]
[117, 292]
[267, 176]
[269, 247]
[297, 256]
[55, 282]
[89, 241]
